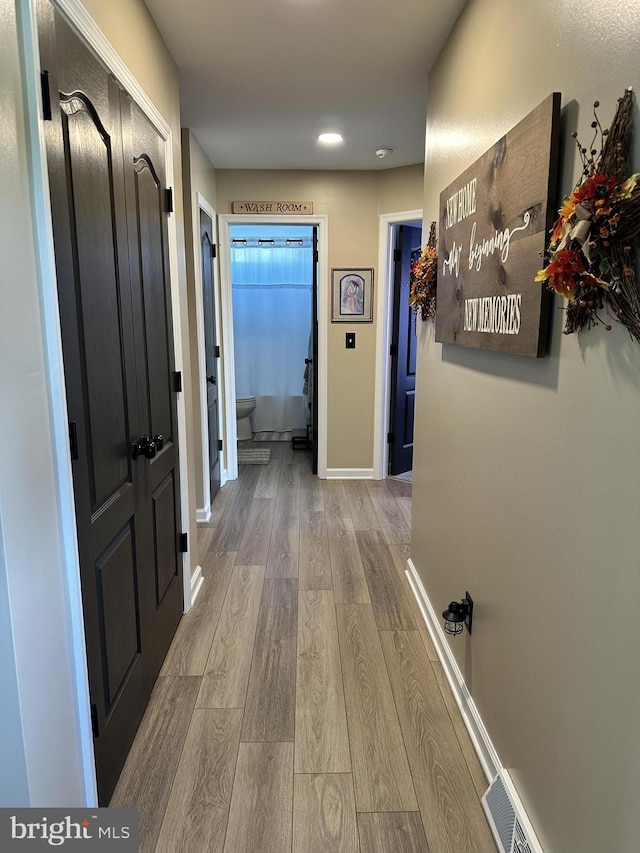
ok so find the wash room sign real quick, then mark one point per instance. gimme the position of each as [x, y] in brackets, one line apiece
[288, 208]
[493, 228]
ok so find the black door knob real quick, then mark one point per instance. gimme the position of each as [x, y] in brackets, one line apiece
[159, 440]
[143, 446]
[211, 380]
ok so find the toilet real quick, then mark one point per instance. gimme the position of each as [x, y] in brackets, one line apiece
[244, 407]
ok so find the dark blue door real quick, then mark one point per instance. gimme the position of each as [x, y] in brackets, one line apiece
[403, 353]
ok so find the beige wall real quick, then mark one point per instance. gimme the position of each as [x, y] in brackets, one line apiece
[132, 33]
[352, 201]
[526, 488]
[398, 189]
[202, 175]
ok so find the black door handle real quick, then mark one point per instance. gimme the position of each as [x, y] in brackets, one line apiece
[159, 440]
[143, 446]
[211, 380]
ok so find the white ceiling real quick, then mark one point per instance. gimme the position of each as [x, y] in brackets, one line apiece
[260, 79]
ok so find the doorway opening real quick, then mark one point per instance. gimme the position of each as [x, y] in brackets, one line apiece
[309, 380]
[399, 238]
[272, 283]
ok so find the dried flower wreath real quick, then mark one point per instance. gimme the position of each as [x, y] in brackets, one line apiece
[591, 259]
[423, 279]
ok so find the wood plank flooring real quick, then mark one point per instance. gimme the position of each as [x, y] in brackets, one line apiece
[301, 708]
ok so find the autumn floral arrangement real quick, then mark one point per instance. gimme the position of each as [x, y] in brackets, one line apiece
[423, 278]
[591, 258]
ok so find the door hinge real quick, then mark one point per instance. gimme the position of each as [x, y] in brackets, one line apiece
[46, 96]
[397, 254]
[219, 444]
[73, 439]
[390, 438]
[214, 250]
[94, 720]
[393, 349]
[316, 256]
[216, 351]
[169, 199]
[177, 381]
[184, 543]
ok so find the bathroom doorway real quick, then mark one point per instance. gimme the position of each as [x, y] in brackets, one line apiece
[274, 294]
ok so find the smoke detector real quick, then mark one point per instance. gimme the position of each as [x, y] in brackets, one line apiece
[383, 152]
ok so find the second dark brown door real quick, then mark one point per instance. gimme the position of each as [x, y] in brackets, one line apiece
[211, 348]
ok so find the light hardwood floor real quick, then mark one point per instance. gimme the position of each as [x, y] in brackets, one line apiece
[301, 707]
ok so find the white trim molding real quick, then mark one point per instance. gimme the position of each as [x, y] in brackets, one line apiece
[203, 516]
[83, 23]
[197, 579]
[478, 733]
[349, 474]
[384, 314]
[226, 220]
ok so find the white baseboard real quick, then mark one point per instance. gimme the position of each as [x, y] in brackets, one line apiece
[478, 733]
[349, 473]
[203, 516]
[197, 580]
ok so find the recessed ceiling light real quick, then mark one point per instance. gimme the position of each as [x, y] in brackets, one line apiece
[330, 138]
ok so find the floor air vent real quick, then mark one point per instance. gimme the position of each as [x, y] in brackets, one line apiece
[510, 826]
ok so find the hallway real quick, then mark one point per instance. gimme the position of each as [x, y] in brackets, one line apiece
[301, 706]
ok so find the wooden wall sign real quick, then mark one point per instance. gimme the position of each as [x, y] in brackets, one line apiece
[288, 208]
[493, 230]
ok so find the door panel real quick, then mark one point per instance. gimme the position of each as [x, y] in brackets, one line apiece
[165, 538]
[127, 542]
[88, 155]
[119, 616]
[149, 235]
[210, 346]
[409, 411]
[404, 353]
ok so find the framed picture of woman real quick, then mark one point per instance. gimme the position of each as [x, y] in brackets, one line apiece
[352, 295]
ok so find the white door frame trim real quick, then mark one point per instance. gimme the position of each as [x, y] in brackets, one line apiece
[226, 316]
[384, 313]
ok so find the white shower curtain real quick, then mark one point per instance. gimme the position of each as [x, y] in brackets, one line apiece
[272, 291]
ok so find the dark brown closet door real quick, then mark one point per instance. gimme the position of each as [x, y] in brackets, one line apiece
[151, 294]
[126, 503]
